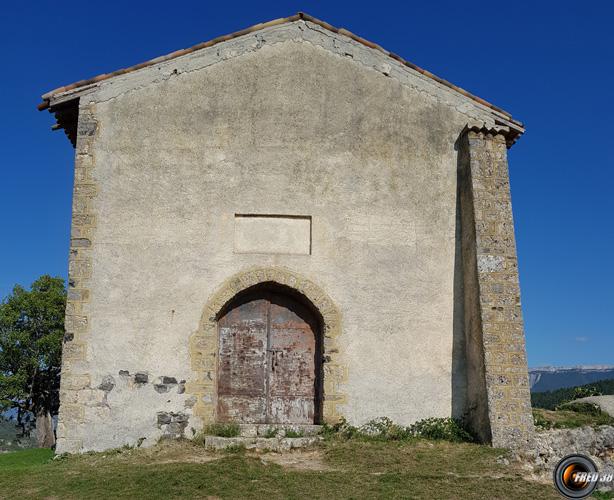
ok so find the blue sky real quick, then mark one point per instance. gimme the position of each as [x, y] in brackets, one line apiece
[551, 64]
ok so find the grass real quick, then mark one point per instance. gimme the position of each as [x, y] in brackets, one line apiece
[338, 469]
[568, 419]
[26, 458]
[235, 448]
[222, 430]
[291, 433]
[271, 432]
[581, 407]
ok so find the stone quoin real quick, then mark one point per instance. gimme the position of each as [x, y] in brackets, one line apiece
[287, 225]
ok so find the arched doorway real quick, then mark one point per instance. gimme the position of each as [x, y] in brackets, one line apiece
[270, 358]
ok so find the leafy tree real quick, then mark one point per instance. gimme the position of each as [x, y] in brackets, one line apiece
[31, 332]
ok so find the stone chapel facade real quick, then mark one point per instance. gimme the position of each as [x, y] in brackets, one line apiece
[287, 225]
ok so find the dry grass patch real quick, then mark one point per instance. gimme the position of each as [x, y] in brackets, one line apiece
[309, 459]
[336, 469]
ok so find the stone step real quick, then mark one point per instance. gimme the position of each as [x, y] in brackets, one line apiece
[266, 430]
[260, 443]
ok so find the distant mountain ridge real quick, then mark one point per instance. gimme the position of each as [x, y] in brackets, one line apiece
[549, 378]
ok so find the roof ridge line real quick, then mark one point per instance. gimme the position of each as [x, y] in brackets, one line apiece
[45, 104]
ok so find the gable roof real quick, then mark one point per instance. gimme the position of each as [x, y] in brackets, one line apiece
[66, 113]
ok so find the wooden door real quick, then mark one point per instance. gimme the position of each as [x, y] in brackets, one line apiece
[268, 364]
[242, 370]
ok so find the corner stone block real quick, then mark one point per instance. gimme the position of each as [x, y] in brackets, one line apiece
[75, 382]
[65, 445]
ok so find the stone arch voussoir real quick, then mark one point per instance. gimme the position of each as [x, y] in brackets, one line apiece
[204, 342]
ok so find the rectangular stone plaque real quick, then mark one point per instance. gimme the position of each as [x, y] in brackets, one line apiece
[288, 234]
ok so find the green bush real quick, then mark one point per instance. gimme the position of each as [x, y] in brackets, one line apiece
[446, 429]
[586, 391]
[540, 421]
[384, 429]
[271, 432]
[376, 427]
[291, 433]
[398, 433]
[341, 429]
[581, 407]
[222, 430]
